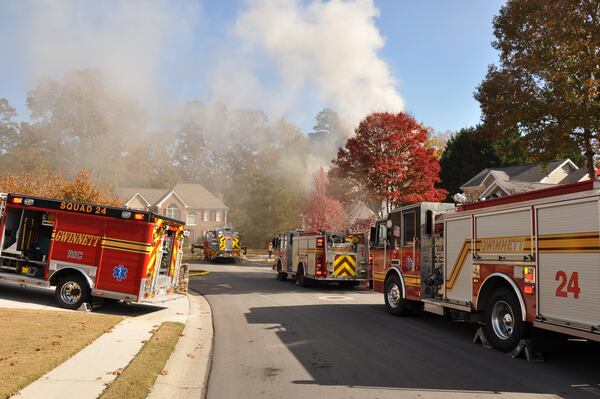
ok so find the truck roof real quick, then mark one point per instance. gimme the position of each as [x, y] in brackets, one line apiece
[84, 208]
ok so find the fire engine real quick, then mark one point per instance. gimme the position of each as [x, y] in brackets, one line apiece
[321, 256]
[531, 259]
[222, 244]
[87, 250]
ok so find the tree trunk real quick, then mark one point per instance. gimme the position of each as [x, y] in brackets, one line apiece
[589, 154]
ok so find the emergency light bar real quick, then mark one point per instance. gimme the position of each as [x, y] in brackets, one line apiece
[21, 200]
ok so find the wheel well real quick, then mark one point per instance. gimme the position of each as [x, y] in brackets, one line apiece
[54, 279]
[490, 286]
[394, 272]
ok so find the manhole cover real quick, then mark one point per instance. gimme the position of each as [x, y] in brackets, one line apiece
[336, 298]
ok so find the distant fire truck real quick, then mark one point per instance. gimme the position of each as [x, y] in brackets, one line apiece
[88, 250]
[530, 259]
[322, 256]
[222, 244]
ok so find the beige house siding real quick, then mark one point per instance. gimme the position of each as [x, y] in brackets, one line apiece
[136, 203]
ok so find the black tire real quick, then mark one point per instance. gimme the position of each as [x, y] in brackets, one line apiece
[72, 291]
[392, 294]
[504, 326]
[300, 277]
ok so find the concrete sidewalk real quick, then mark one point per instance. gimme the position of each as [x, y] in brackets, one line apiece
[189, 365]
[86, 374]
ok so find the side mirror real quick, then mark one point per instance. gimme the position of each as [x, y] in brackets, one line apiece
[372, 236]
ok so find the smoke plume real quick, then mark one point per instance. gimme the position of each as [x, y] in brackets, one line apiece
[327, 47]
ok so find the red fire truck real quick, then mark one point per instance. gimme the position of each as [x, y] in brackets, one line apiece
[223, 244]
[530, 259]
[88, 250]
[321, 256]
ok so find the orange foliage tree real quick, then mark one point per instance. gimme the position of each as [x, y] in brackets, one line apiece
[52, 184]
[321, 212]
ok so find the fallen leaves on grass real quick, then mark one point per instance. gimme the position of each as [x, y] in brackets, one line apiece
[49, 342]
[138, 377]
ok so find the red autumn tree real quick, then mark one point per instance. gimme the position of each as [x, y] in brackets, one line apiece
[388, 163]
[322, 212]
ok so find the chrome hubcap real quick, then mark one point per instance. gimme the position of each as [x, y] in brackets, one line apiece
[503, 320]
[394, 295]
[70, 292]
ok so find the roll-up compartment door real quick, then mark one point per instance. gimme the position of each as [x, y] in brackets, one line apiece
[458, 259]
[569, 263]
[506, 234]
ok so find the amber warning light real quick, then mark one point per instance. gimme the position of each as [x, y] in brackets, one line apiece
[17, 200]
[138, 216]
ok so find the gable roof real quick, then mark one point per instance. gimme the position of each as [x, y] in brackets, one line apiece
[575, 176]
[169, 194]
[531, 173]
[196, 196]
[150, 195]
[193, 196]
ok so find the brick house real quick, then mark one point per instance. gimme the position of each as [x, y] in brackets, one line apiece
[507, 180]
[192, 203]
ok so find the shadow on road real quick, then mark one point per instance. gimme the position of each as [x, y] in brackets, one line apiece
[38, 298]
[423, 352]
[230, 283]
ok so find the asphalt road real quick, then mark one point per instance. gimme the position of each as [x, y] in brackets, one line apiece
[276, 340]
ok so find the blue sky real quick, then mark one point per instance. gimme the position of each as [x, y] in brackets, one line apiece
[437, 52]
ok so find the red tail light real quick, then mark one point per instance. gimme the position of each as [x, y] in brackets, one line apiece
[321, 266]
[529, 289]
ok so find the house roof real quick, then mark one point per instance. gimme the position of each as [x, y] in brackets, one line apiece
[151, 195]
[528, 173]
[359, 211]
[575, 176]
[194, 196]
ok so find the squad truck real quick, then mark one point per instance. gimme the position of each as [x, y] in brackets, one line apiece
[88, 250]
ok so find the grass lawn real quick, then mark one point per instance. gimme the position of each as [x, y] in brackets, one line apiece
[139, 376]
[33, 342]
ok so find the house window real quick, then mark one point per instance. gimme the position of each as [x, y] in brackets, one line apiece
[191, 218]
[172, 211]
[219, 216]
[206, 215]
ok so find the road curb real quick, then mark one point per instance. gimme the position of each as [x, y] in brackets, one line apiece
[188, 368]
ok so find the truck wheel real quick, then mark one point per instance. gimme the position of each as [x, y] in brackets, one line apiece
[300, 278]
[72, 291]
[394, 302]
[504, 326]
[281, 275]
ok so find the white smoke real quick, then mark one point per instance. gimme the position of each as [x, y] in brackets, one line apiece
[131, 41]
[330, 47]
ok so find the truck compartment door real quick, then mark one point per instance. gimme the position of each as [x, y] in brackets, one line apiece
[458, 259]
[569, 263]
